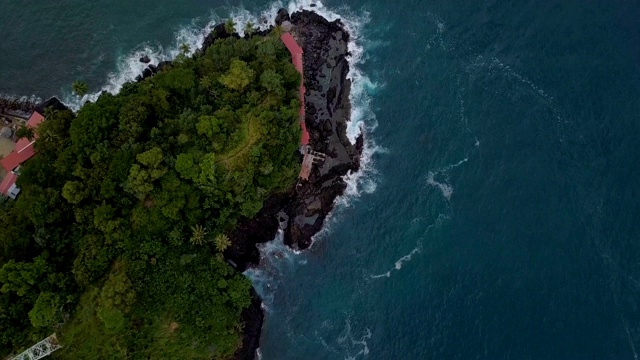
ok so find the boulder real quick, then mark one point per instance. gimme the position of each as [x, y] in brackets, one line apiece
[162, 65]
[283, 15]
[286, 26]
[6, 132]
[219, 32]
[153, 68]
[146, 73]
[145, 59]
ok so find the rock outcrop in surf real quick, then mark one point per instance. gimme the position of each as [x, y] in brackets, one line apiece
[300, 212]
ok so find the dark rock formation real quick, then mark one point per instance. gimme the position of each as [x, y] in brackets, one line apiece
[163, 65]
[325, 46]
[153, 68]
[145, 59]
[146, 73]
[219, 32]
[300, 212]
[53, 103]
[20, 107]
[252, 318]
[283, 15]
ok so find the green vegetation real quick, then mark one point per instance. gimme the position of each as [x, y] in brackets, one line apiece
[80, 88]
[114, 242]
[25, 132]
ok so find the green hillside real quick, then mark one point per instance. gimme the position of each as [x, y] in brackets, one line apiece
[111, 241]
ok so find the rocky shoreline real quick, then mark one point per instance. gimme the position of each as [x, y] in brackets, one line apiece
[300, 212]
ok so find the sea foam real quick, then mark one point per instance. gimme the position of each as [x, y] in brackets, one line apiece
[362, 117]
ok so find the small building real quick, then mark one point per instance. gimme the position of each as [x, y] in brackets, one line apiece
[23, 151]
[8, 186]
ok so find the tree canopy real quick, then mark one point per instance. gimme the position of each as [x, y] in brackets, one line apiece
[112, 242]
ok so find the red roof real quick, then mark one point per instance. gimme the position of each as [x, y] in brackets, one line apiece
[33, 122]
[296, 59]
[291, 43]
[9, 180]
[24, 147]
[14, 159]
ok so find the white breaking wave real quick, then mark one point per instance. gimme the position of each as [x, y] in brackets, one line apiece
[362, 117]
[275, 257]
[129, 66]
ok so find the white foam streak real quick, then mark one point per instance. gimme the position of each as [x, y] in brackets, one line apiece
[275, 257]
[352, 342]
[445, 188]
[418, 249]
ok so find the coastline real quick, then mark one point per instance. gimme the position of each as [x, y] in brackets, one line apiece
[300, 211]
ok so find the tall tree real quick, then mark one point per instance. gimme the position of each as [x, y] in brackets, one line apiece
[80, 87]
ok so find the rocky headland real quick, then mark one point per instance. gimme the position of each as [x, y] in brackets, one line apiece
[301, 211]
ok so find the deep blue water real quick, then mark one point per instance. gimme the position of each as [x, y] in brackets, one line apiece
[498, 218]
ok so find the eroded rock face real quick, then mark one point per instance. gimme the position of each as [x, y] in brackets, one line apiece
[328, 110]
[252, 318]
[301, 211]
[282, 16]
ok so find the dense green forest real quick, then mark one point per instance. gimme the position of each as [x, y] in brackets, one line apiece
[115, 240]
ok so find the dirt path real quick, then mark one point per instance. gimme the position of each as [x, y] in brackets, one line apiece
[253, 134]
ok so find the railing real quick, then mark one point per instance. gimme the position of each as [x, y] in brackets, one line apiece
[40, 350]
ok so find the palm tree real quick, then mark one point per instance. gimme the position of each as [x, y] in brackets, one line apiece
[230, 26]
[222, 242]
[184, 49]
[277, 31]
[79, 87]
[248, 29]
[197, 238]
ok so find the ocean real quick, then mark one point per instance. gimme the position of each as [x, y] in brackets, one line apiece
[497, 213]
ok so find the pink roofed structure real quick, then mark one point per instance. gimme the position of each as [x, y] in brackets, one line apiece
[33, 122]
[296, 59]
[14, 159]
[24, 147]
[8, 184]
[23, 151]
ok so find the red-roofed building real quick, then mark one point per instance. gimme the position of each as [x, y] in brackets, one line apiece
[23, 151]
[33, 122]
[14, 159]
[8, 186]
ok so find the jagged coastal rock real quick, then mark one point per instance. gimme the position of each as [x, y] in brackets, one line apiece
[300, 212]
[304, 207]
[328, 111]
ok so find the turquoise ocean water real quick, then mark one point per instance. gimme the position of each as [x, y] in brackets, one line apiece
[497, 215]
